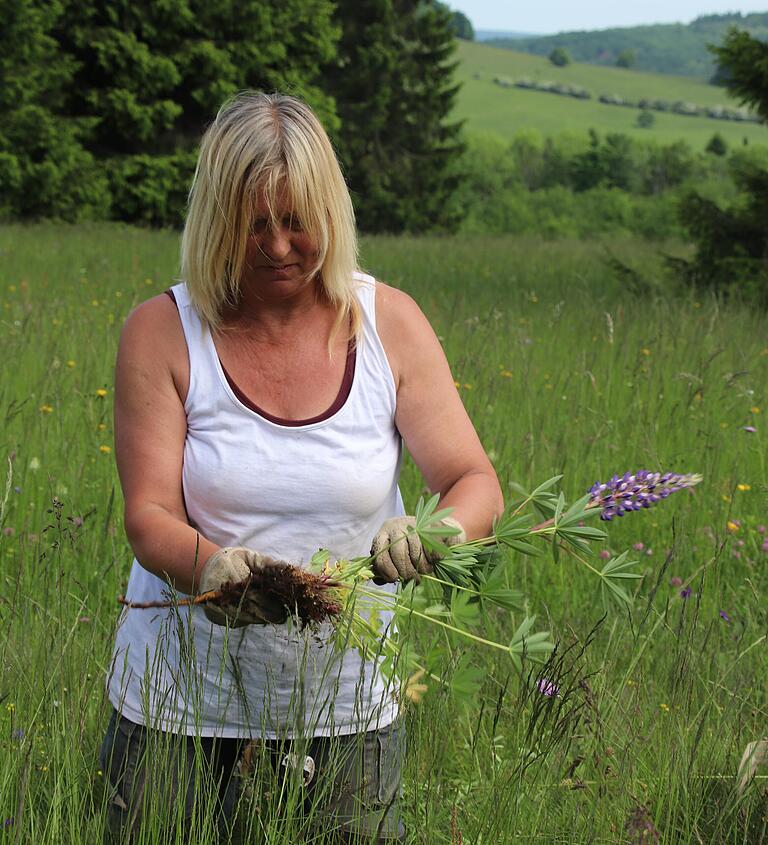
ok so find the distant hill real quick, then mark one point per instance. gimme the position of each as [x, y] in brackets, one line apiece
[490, 101]
[497, 34]
[679, 49]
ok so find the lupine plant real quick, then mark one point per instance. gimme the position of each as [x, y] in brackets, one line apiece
[469, 580]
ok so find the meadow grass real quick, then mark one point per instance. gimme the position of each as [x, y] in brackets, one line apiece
[487, 107]
[563, 372]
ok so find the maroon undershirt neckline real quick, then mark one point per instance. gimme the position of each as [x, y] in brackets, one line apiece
[336, 405]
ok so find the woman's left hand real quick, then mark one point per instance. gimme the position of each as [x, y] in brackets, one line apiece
[400, 555]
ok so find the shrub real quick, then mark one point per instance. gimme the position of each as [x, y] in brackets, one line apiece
[645, 119]
[717, 145]
[151, 190]
[559, 57]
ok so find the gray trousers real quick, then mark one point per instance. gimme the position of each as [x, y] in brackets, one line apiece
[349, 783]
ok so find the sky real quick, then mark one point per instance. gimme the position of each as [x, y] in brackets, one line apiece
[549, 16]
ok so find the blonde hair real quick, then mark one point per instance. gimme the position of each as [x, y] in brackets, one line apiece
[266, 143]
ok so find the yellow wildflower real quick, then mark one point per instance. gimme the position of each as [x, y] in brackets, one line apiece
[664, 707]
[732, 526]
[743, 487]
[102, 426]
[70, 363]
[506, 374]
[46, 409]
[105, 450]
[645, 351]
[101, 393]
[754, 409]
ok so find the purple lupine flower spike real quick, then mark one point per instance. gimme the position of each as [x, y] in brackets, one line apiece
[631, 492]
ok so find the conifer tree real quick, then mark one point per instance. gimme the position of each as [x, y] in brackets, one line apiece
[394, 90]
[732, 243]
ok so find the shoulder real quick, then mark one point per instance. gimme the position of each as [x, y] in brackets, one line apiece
[404, 330]
[152, 341]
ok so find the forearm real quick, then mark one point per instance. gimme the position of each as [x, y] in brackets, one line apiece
[168, 546]
[475, 499]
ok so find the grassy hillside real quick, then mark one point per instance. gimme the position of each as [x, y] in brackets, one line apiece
[488, 107]
[663, 48]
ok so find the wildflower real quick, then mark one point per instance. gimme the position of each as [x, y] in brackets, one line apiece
[8, 822]
[675, 581]
[638, 547]
[17, 735]
[105, 450]
[17, 489]
[764, 547]
[34, 464]
[101, 393]
[736, 554]
[506, 374]
[761, 529]
[8, 531]
[664, 707]
[649, 552]
[547, 688]
[71, 364]
[685, 592]
[631, 492]
[102, 426]
[750, 429]
[743, 487]
[645, 351]
[739, 543]
[46, 409]
[640, 828]
[754, 409]
[733, 525]
[605, 554]
[724, 615]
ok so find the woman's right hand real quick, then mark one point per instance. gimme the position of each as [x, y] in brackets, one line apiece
[232, 566]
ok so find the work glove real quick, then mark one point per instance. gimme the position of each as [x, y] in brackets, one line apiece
[400, 556]
[233, 565]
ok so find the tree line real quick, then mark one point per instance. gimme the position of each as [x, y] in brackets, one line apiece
[102, 102]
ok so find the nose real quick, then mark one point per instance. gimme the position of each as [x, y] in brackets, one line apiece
[276, 243]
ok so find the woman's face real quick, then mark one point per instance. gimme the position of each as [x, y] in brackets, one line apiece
[279, 258]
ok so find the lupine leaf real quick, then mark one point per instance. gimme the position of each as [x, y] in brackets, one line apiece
[464, 611]
[535, 647]
[467, 679]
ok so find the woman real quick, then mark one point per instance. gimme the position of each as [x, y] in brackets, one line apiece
[259, 413]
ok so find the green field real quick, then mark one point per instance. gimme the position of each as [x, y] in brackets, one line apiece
[562, 372]
[487, 107]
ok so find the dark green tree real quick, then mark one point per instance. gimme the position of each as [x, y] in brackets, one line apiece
[717, 145]
[149, 76]
[44, 168]
[732, 243]
[626, 58]
[394, 90]
[645, 119]
[462, 26]
[559, 57]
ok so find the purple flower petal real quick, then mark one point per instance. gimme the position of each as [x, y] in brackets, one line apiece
[685, 592]
[724, 615]
[546, 687]
[750, 429]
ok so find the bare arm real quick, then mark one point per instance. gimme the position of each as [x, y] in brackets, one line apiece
[431, 417]
[151, 376]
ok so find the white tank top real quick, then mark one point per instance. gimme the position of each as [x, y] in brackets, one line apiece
[281, 490]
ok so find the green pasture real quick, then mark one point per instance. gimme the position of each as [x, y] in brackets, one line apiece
[488, 107]
[563, 371]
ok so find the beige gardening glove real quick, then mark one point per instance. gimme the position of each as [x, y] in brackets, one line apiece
[232, 565]
[400, 555]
